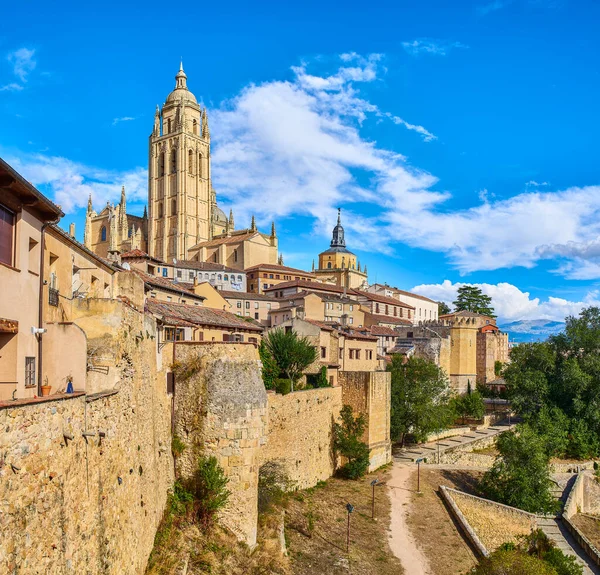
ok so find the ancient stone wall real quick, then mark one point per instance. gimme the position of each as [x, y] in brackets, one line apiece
[89, 505]
[370, 393]
[221, 409]
[300, 434]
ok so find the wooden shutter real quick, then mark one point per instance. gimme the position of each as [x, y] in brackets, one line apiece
[7, 230]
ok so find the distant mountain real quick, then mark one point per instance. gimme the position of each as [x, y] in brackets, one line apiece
[529, 330]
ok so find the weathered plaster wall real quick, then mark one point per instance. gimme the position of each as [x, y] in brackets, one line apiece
[221, 409]
[370, 393]
[64, 354]
[300, 434]
[89, 507]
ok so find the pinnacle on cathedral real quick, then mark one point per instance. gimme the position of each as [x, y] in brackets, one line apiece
[337, 240]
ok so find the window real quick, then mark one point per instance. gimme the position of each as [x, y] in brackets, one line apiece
[270, 276]
[173, 207]
[376, 308]
[323, 352]
[219, 277]
[357, 353]
[191, 275]
[239, 304]
[160, 214]
[29, 371]
[179, 274]
[200, 165]
[173, 161]
[235, 255]
[247, 305]
[169, 298]
[395, 311]
[226, 277]
[251, 285]
[165, 271]
[351, 354]
[256, 315]
[174, 334]
[369, 354]
[268, 306]
[190, 161]
[351, 307]
[7, 232]
[161, 164]
[329, 265]
[350, 320]
[387, 309]
[103, 234]
[255, 305]
[276, 276]
[169, 126]
[194, 128]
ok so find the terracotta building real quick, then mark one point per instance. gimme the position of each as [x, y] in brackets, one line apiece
[266, 275]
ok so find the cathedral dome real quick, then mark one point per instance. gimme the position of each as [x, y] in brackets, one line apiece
[181, 92]
[219, 216]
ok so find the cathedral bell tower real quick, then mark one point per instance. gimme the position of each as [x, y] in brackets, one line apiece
[180, 203]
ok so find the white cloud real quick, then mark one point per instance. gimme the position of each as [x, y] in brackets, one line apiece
[23, 62]
[534, 184]
[69, 183]
[430, 46]
[12, 87]
[510, 303]
[122, 119]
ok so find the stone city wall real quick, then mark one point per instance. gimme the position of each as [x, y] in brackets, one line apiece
[221, 410]
[370, 393]
[89, 505]
[300, 434]
[464, 455]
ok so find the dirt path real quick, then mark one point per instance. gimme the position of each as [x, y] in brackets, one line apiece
[402, 543]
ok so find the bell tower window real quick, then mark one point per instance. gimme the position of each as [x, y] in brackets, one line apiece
[169, 126]
[160, 210]
[195, 128]
[103, 234]
[161, 164]
[173, 207]
[190, 161]
[174, 161]
[199, 165]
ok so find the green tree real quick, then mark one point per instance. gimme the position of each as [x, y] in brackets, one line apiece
[270, 369]
[471, 298]
[498, 365]
[420, 398]
[513, 563]
[347, 442]
[209, 486]
[520, 476]
[469, 405]
[443, 308]
[293, 354]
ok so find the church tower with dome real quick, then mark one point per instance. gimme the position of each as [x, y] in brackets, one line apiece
[182, 205]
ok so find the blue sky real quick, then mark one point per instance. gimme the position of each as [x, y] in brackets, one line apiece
[459, 138]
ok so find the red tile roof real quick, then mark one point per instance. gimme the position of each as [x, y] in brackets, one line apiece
[167, 284]
[379, 319]
[382, 299]
[406, 293]
[382, 330]
[278, 268]
[234, 238]
[183, 314]
[228, 294]
[311, 286]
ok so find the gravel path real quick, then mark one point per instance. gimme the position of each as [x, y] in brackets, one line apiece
[402, 543]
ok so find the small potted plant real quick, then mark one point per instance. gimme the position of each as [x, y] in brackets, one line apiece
[46, 388]
[69, 384]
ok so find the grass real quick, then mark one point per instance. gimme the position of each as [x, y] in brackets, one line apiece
[589, 526]
[316, 529]
[432, 526]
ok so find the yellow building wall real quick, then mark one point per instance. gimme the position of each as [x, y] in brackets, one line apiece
[463, 357]
[213, 299]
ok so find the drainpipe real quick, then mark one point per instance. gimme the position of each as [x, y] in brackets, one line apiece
[41, 303]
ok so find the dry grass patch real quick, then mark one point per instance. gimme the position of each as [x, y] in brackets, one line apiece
[589, 526]
[316, 521]
[432, 526]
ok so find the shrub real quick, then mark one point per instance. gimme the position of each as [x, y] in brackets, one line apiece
[209, 487]
[273, 484]
[283, 386]
[177, 446]
[347, 442]
[513, 563]
[563, 564]
[318, 380]
[270, 369]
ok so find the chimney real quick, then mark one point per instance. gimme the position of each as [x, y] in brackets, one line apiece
[72, 229]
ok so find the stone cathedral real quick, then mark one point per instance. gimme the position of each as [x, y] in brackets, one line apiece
[183, 218]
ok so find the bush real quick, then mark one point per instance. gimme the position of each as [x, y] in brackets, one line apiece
[469, 405]
[273, 484]
[347, 442]
[318, 380]
[283, 386]
[563, 564]
[209, 488]
[513, 563]
[270, 369]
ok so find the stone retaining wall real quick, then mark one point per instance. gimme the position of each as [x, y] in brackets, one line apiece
[300, 434]
[583, 498]
[89, 505]
[463, 454]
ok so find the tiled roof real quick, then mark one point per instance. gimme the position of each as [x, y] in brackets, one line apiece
[312, 286]
[382, 330]
[387, 319]
[278, 268]
[406, 293]
[382, 299]
[164, 283]
[139, 254]
[198, 316]
[208, 266]
[464, 313]
[234, 238]
[228, 294]
[320, 324]
[355, 335]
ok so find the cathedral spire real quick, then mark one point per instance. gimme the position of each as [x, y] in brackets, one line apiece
[205, 130]
[273, 232]
[181, 78]
[280, 259]
[231, 223]
[253, 224]
[89, 206]
[337, 239]
[313, 266]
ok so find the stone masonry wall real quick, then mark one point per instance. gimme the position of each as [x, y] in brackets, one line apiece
[370, 393]
[221, 409]
[89, 506]
[300, 434]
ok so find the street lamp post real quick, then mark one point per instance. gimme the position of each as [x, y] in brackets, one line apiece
[373, 484]
[419, 460]
[350, 509]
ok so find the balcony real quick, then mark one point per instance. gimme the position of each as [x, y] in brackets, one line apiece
[53, 296]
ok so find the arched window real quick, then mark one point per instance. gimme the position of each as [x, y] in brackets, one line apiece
[190, 161]
[161, 164]
[173, 161]
[239, 278]
[103, 234]
[328, 265]
[200, 166]
[173, 207]
[195, 128]
[160, 210]
[235, 255]
[169, 126]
